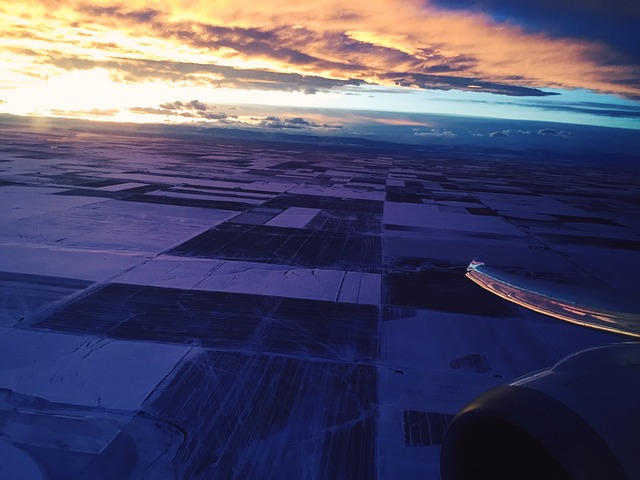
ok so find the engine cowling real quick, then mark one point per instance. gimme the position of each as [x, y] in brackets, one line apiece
[578, 420]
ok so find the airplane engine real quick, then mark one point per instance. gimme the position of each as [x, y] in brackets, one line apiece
[578, 420]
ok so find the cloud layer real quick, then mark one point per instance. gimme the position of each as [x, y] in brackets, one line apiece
[307, 47]
[197, 111]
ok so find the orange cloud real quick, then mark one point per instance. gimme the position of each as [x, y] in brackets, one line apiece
[309, 46]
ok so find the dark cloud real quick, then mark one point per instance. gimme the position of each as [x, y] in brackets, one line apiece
[20, 32]
[282, 44]
[429, 68]
[444, 82]
[285, 44]
[306, 50]
[135, 70]
[106, 46]
[22, 51]
[592, 108]
[197, 105]
[613, 22]
[120, 13]
[206, 112]
[358, 57]
[295, 123]
[192, 109]
[603, 109]
[172, 105]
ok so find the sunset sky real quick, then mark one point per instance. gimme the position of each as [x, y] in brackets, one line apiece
[185, 60]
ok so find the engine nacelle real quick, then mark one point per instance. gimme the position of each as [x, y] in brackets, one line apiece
[577, 420]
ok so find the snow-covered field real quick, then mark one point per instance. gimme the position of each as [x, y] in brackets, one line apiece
[182, 308]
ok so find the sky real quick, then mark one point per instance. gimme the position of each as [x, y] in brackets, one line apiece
[190, 60]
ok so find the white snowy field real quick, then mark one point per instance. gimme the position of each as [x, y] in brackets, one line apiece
[178, 308]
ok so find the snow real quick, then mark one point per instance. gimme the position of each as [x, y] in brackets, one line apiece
[294, 217]
[79, 370]
[239, 277]
[431, 216]
[198, 196]
[257, 278]
[20, 202]
[118, 187]
[274, 367]
[81, 263]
